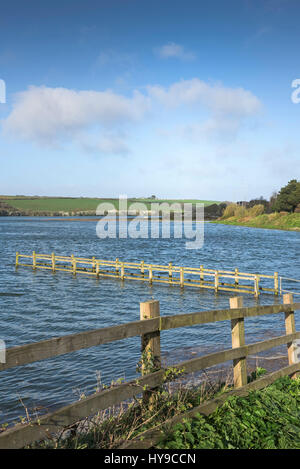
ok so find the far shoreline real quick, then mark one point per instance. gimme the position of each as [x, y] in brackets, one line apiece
[284, 222]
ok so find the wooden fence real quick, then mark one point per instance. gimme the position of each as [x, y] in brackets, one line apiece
[218, 280]
[149, 326]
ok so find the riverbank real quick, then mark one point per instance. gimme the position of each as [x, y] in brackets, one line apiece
[268, 418]
[274, 221]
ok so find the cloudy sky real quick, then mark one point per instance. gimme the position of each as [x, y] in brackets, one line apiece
[182, 99]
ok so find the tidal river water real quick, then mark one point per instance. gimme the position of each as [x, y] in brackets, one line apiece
[40, 305]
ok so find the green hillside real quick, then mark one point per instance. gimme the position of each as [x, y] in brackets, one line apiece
[69, 204]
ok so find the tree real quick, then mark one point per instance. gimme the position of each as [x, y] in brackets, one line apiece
[288, 197]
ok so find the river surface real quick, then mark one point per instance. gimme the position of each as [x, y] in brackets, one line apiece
[40, 305]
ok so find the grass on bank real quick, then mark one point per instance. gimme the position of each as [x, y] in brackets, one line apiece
[265, 419]
[256, 218]
[65, 204]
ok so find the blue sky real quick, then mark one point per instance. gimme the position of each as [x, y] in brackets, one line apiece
[179, 99]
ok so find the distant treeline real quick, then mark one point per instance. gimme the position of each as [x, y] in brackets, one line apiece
[286, 200]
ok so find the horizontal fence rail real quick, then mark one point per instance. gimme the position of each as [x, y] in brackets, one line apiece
[149, 327]
[289, 281]
[218, 280]
[29, 353]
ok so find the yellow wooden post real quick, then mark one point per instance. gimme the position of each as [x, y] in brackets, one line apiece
[290, 328]
[117, 267]
[256, 285]
[276, 283]
[201, 273]
[150, 274]
[17, 259]
[150, 347]
[142, 269]
[238, 340]
[122, 271]
[93, 264]
[181, 277]
[33, 260]
[73, 264]
[53, 261]
[97, 269]
[170, 272]
[216, 281]
[236, 278]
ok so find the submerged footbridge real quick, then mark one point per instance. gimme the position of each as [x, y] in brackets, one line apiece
[201, 277]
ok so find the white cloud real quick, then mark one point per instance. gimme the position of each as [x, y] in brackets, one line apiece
[227, 108]
[95, 120]
[217, 98]
[173, 50]
[49, 115]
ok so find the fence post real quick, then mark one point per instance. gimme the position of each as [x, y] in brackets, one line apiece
[97, 269]
[53, 261]
[33, 260]
[170, 272]
[290, 328]
[150, 274]
[17, 259]
[276, 283]
[142, 269]
[181, 277]
[117, 267]
[256, 285]
[201, 274]
[216, 281]
[122, 271]
[74, 264]
[150, 346]
[238, 340]
[236, 278]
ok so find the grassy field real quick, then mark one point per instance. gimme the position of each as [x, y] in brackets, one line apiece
[70, 204]
[277, 221]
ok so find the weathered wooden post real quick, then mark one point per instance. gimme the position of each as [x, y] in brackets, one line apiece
[290, 328]
[53, 261]
[33, 260]
[236, 278]
[122, 271]
[150, 274]
[238, 340]
[276, 283]
[170, 272]
[142, 269]
[181, 277]
[93, 264]
[256, 285]
[201, 274]
[97, 269]
[117, 267]
[73, 264]
[216, 281]
[150, 347]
